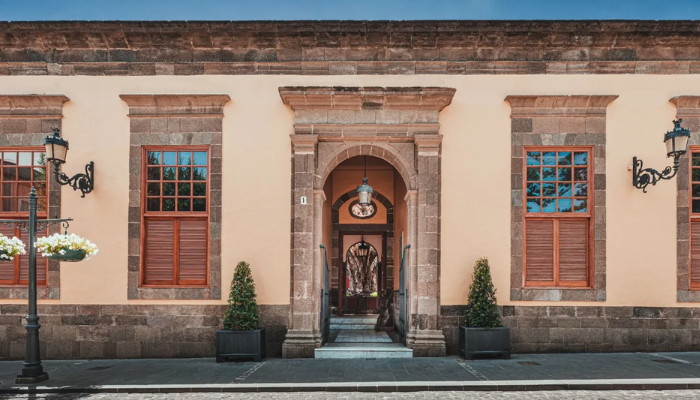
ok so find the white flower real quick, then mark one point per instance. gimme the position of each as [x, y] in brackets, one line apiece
[10, 247]
[58, 244]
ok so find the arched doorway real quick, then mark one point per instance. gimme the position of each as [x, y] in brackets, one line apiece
[400, 127]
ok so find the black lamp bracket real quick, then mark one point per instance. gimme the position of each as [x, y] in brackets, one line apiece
[643, 177]
[83, 182]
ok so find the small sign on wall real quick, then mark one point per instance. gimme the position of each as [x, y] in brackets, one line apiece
[303, 200]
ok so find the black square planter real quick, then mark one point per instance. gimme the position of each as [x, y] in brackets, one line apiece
[484, 341]
[240, 344]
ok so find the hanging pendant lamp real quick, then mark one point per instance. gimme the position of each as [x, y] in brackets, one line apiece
[363, 251]
[364, 191]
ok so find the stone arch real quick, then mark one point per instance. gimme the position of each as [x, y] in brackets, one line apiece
[400, 158]
[350, 194]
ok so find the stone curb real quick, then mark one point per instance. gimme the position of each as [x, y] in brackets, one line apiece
[375, 387]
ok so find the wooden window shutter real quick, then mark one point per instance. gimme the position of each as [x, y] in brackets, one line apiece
[695, 252]
[7, 268]
[193, 251]
[539, 251]
[573, 250]
[41, 262]
[160, 251]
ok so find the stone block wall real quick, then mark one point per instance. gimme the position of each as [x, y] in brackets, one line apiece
[589, 329]
[129, 331]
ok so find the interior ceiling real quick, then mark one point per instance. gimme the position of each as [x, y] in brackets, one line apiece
[358, 163]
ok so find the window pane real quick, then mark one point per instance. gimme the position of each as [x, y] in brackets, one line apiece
[533, 158]
[25, 158]
[153, 174]
[564, 189]
[9, 174]
[153, 189]
[581, 189]
[199, 205]
[7, 189]
[580, 205]
[183, 189]
[39, 159]
[40, 174]
[696, 206]
[169, 174]
[696, 190]
[549, 174]
[184, 158]
[9, 158]
[184, 173]
[564, 205]
[549, 158]
[533, 190]
[696, 174]
[169, 158]
[549, 190]
[183, 204]
[564, 174]
[168, 204]
[581, 158]
[200, 158]
[154, 204]
[153, 158]
[549, 205]
[581, 174]
[696, 159]
[200, 174]
[533, 205]
[533, 174]
[24, 174]
[168, 189]
[200, 189]
[565, 158]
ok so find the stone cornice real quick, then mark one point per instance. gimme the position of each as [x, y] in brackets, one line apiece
[304, 144]
[34, 105]
[153, 105]
[366, 98]
[552, 106]
[686, 106]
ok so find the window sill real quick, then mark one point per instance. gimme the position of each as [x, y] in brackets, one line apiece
[171, 292]
[532, 293]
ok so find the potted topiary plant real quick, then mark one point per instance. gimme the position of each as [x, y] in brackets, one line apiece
[483, 333]
[241, 336]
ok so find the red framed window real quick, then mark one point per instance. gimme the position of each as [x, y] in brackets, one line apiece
[175, 221]
[694, 217]
[22, 168]
[558, 211]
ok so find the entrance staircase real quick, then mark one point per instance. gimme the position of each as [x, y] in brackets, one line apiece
[354, 337]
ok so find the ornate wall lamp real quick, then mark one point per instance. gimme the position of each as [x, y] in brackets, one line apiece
[56, 151]
[676, 145]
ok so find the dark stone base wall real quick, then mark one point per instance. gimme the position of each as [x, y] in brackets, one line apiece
[589, 329]
[129, 331]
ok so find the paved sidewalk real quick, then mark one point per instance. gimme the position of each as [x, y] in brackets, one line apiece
[628, 371]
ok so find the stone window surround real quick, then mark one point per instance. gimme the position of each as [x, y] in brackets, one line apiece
[558, 121]
[24, 121]
[687, 108]
[399, 125]
[177, 120]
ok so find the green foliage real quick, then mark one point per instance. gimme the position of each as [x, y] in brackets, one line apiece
[242, 313]
[482, 310]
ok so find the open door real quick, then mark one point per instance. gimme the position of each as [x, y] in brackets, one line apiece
[325, 300]
[403, 293]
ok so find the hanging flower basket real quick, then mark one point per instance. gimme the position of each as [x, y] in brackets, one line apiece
[68, 255]
[10, 247]
[71, 248]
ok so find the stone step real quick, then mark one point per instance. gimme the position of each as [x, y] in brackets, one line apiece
[363, 350]
[353, 327]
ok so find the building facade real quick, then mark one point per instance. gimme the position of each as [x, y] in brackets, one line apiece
[220, 142]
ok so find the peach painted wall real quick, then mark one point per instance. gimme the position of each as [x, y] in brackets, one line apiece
[475, 185]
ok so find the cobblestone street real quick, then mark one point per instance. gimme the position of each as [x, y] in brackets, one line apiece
[597, 395]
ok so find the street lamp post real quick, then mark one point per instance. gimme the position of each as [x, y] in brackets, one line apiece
[32, 372]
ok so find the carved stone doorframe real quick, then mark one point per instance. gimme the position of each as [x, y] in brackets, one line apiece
[399, 125]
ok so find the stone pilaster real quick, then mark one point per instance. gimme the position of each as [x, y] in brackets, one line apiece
[426, 334]
[302, 336]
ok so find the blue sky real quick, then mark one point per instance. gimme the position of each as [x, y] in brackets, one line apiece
[23, 10]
